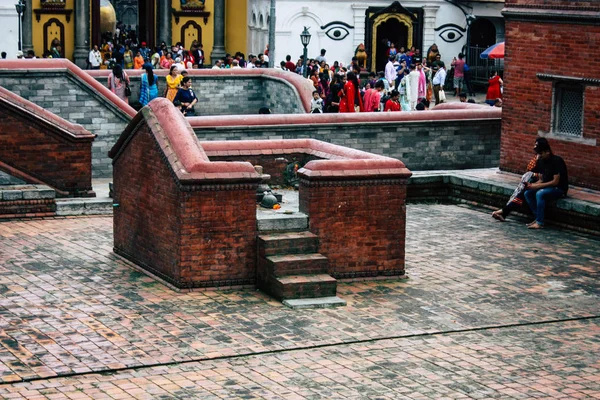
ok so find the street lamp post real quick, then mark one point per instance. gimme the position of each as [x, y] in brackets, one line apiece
[470, 19]
[20, 6]
[305, 39]
[272, 35]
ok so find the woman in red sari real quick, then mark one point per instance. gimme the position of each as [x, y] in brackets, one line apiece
[351, 101]
[494, 91]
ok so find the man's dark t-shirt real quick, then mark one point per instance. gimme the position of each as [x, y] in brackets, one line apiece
[554, 166]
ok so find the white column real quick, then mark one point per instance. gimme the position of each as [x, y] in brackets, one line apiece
[429, 17]
[359, 25]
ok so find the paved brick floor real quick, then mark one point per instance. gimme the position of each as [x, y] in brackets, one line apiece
[490, 310]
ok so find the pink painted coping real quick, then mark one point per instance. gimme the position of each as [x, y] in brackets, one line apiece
[62, 63]
[63, 128]
[337, 161]
[463, 106]
[302, 86]
[476, 113]
[181, 146]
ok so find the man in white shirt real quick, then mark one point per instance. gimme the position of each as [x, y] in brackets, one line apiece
[217, 65]
[322, 56]
[95, 58]
[439, 78]
[412, 87]
[390, 71]
[250, 63]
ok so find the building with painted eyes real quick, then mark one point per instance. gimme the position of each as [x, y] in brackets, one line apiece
[228, 26]
[340, 27]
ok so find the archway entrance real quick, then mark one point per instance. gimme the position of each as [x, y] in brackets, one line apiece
[392, 24]
[388, 32]
[136, 17]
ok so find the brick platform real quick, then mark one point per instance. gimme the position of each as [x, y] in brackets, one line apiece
[192, 221]
[497, 312]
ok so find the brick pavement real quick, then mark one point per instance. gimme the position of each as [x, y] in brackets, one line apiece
[69, 306]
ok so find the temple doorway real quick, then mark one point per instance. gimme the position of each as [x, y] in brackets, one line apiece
[390, 31]
[129, 19]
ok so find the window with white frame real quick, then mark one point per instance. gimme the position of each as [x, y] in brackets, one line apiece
[567, 109]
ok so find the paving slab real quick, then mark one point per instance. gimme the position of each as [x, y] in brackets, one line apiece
[490, 310]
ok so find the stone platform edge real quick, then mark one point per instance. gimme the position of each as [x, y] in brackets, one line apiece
[458, 187]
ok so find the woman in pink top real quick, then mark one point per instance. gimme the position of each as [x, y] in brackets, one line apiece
[372, 101]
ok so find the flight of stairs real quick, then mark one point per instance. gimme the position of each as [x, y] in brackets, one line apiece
[291, 269]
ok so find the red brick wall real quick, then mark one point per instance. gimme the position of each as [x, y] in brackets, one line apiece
[203, 237]
[549, 48]
[361, 225]
[33, 148]
[218, 236]
[273, 164]
[147, 220]
[551, 3]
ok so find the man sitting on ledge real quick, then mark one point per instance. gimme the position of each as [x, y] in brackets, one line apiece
[554, 182]
[539, 170]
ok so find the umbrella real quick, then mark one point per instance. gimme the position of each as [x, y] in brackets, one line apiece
[493, 52]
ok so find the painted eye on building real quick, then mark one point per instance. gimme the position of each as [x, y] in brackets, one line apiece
[450, 33]
[337, 30]
[337, 33]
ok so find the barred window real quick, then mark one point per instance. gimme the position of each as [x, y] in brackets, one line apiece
[568, 109]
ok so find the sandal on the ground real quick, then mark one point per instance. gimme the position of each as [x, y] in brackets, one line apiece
[498, 215]
[535, 226]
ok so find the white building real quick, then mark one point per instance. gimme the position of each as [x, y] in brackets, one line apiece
[9, 31]
[339, 26]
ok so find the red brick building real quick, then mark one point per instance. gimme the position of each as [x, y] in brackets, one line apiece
[552, 85]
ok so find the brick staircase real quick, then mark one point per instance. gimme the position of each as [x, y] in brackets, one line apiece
[290, 268]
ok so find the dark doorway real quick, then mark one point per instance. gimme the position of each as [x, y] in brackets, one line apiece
[483, 33]
[134, 15]
[146, 13]
[390, 31]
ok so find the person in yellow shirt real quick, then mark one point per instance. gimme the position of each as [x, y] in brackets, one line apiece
[138, 61]
[173, 81]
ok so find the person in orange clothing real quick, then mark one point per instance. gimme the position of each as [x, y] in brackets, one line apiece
[351, 101]
[138, 61]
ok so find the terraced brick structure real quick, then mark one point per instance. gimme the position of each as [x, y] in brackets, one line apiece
[186, 210]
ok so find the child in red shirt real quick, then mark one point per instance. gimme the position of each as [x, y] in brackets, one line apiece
[393, 104]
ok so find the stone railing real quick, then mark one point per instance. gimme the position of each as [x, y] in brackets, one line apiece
[445, 138]
[234, 91]
[39, 147]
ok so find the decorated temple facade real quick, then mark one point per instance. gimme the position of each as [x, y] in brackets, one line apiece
[341, 27]
[228, 26]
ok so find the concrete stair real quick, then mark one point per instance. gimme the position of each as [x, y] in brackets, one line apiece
[27, 201]
[290, 268]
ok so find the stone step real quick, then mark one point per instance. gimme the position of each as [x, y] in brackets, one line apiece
[287, 243]
[7, 179]
[84, 206]
[281, 222]
[296, 264]
[26, 192]
[27, 201]
[303, 286]
[314, 302]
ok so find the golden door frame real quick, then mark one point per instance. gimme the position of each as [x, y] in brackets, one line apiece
[403, 19]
